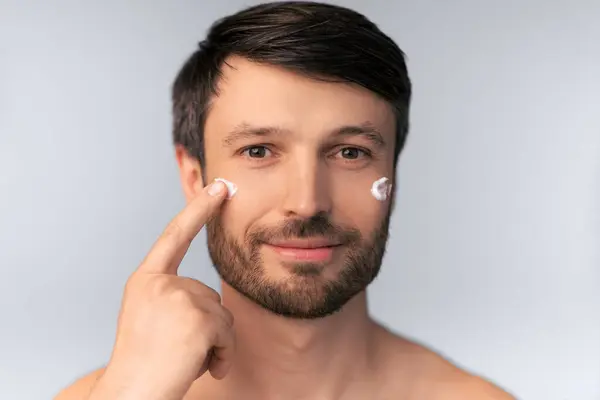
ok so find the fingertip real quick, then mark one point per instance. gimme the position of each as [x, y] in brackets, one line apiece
[219, 369]
[216, 375]
[216, 189]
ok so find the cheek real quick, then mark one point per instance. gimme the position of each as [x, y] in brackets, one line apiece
[252, 201]
[354, 202]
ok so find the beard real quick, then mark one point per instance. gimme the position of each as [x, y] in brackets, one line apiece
[305, 294]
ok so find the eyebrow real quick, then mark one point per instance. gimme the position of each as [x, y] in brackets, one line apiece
[246, 131]
[366, 130]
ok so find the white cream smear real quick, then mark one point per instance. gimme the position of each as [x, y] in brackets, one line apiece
[231, 187]
[381, 189]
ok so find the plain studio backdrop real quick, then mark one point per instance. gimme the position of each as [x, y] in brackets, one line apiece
[494, 252]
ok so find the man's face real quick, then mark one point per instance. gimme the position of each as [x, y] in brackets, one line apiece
[303, 234]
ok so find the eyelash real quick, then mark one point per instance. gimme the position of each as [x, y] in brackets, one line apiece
[365, 153]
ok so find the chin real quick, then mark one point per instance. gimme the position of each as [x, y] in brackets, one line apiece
[305, 294]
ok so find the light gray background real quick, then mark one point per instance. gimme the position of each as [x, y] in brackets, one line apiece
[493, 258]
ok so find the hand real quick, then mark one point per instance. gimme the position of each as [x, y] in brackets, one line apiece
[171, 329]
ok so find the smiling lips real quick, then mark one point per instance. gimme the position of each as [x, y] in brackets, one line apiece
[307, 250]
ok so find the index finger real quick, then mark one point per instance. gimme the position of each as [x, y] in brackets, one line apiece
[170, 248]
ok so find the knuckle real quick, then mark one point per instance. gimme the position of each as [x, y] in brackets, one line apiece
[213, 294]
[173, 230]
[203, 323]
[134, 284]
[228, 317]
[180, 297]
[158, 286]
[175, 233]
[203, 290]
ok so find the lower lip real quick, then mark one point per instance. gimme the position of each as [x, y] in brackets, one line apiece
[319, 254]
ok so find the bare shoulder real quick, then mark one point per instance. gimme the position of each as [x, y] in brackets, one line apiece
[476, 388]
[454, 383]
[432, 376]
[81, 388]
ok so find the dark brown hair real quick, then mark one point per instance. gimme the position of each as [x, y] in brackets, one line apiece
[321, 41]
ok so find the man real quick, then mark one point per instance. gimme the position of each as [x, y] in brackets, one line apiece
[302, 106]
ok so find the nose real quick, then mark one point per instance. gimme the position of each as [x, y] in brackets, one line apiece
[306, 189]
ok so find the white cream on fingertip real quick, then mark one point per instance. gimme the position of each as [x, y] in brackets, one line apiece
[231, 187]
[381, 189]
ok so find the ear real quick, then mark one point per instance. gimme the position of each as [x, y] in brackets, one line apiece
[190, 173]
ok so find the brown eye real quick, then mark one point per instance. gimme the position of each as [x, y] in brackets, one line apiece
[351, 153]
[256, 152]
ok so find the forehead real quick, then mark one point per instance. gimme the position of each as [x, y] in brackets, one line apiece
[255, 94]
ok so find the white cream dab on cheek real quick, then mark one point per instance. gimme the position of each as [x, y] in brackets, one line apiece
[231, 187]
[381, 189]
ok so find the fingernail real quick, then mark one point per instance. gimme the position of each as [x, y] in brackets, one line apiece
[215, 188]
[231, 187]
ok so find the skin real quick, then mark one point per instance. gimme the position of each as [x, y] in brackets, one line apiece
[168, 324]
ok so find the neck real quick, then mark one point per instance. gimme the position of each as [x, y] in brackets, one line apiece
[309, 358]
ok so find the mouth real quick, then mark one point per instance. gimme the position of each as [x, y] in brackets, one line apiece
[305, 250]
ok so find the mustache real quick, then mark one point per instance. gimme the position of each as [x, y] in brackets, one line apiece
[317, 226]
